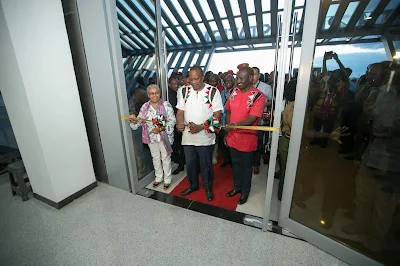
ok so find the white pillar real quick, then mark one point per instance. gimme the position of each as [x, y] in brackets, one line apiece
[39, 88]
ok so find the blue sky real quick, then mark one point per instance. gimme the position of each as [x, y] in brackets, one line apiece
[357, 57]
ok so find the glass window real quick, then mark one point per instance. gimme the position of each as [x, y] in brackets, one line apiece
[196, 56]
[185, 37]
[367, 13]
[221, 8]
[149, 17]
[253, 26]
[387, 12]
[138, 41]
[185, 59]
[240, 47]
[205, 58]
[267, 24]
[348, 14]
[235, 7]
[215, 30]
[239, 25]
[180, 11]
[130, 42]
[128, 20]
[250, 7]
[370, 37]
[281, 4]
[193, 9]
[299, 17]
[164, 23]
[338, 39]
[169, 56]
[133, 14]
[146, 38]
[266, 5]
[194, 33]
[299, 3]
[204, 31]
[127, 46]
[330, 15]
[262, 45]
[206, 10]
[176, 59]
[172, 33]
[169, 13]
[227, 27]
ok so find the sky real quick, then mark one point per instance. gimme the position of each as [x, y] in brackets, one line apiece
[357, 57]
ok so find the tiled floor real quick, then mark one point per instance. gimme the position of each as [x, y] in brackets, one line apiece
[256, 203]
[109, 226]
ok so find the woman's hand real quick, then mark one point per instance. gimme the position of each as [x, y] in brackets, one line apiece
[156, 130]
[133, 119]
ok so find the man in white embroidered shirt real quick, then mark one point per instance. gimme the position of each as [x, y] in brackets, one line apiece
[196, 103]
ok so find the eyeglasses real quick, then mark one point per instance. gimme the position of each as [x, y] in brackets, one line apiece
[154, 93]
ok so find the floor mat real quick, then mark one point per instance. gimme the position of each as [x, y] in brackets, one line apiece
[223, 182]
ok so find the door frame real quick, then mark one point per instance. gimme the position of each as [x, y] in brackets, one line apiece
[119, 79]
[337, 249]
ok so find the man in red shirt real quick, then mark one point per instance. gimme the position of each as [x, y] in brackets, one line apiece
[244, 107]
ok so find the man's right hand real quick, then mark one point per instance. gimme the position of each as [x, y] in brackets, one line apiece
[180, 127]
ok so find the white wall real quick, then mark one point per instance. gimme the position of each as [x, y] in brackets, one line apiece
[41, 96]
[92, 16]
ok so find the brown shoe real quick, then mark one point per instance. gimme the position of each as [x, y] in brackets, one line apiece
[256, 170]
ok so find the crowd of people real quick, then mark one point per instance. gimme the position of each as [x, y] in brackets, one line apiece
[367, 112]
[233, 99]
[364, 111]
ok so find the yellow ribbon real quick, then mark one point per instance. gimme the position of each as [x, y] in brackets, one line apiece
[136, 119]
[259, 128]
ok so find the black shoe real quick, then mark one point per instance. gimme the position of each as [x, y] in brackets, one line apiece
[243, 199]
[224, 164]
[210, 195]
[232, 193]
[188, 191]
[178, 170]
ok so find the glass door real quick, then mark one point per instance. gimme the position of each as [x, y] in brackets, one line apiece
[142, 48]
[340, 189]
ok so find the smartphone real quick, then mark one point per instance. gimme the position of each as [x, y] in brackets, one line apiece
[329, 55]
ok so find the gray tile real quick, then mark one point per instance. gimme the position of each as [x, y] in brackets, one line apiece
[109, 226]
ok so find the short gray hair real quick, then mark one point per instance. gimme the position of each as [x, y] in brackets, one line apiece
[153, 86]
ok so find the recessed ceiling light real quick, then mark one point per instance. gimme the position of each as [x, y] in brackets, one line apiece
[367, 18]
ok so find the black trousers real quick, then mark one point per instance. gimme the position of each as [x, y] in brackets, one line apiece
[199, 157]
[242, 168]
[225, 149]
[178, 154]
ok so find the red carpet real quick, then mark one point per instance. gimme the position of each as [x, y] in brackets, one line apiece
[223, 182]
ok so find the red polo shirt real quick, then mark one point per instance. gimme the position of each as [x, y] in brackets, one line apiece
[242, 105]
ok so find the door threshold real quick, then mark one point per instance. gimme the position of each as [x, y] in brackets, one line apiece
[229, 215]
